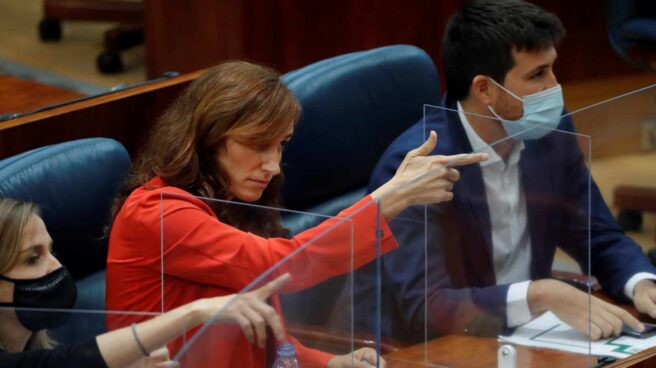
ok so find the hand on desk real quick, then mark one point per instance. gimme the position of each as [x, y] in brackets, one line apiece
[573, 306]
[361, 358]
[644, 297]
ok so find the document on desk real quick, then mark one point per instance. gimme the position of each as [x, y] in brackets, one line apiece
[549, 332]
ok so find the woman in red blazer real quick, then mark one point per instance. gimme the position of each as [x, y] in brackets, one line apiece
[223, 139]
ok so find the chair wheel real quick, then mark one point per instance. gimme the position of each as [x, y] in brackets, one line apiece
[50, 30]
[109, 62]
[630, 220]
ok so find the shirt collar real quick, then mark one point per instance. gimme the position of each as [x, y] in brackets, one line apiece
[479, 145]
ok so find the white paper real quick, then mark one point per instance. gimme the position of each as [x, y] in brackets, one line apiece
[549, 332]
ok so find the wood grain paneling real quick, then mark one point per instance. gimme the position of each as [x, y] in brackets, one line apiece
[288, 34]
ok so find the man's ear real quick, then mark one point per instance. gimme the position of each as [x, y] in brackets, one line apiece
[482, 90]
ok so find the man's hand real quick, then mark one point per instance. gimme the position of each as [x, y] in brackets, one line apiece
[573, 307]
[644, 297]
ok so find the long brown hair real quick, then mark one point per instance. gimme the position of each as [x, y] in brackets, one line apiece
[233, 99]
[14, 217]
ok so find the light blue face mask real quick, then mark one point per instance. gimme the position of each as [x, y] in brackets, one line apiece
[541, 116]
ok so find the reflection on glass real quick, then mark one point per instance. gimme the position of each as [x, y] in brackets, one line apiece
[207, 258]
[463, 267]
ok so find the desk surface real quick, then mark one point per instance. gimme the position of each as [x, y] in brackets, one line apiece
[20, 95]
[124, 115]
[479, 352]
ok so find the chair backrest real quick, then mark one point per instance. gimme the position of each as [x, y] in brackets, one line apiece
[631, 27]
[354, 106]
[74, 184]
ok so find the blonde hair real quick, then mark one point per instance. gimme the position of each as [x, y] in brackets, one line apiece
[14, 217]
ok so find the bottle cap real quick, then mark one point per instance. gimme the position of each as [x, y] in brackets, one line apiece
[286, 349]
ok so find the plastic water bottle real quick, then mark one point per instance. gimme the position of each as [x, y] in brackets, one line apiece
[286, 357]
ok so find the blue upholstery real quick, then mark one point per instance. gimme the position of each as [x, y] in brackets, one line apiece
[640, 29]
[74, 184]
[354, 106]
[632, 30]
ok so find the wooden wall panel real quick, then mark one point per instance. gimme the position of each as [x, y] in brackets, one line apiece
[287, 34]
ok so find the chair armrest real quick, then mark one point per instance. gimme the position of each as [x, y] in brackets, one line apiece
[629, 197]
[577, 280]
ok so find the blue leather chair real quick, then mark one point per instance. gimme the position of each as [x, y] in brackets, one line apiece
[74, 184]
[354, 106]
[632, 31]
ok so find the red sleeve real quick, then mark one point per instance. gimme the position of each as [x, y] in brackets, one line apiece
[336, 246]
[200, 248]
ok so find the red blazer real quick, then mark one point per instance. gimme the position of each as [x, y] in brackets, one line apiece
[204, 257]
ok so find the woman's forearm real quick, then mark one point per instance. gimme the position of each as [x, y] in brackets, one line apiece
[392, 200]
[119, 348]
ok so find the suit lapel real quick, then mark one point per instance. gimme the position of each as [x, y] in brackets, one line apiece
[473, 215]
[536, 184]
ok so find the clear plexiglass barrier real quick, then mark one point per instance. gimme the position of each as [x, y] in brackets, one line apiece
[460, 280]
[525, 255]
[522, 256]
[212, 258]
[71, 332]
[542, 209]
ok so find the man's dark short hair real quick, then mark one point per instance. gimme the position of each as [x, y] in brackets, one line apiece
[481, 35]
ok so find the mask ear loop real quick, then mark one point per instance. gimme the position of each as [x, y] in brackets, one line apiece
[3, 277]
[6, 304]
[510, 93]
[505, 89]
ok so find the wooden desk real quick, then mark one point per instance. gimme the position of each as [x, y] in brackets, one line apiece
[637, 198]
[479, 352]
[124, 115]
[20, 95]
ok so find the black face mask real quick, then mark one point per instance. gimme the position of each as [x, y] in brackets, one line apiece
[55, 290]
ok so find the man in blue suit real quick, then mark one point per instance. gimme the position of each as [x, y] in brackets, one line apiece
[481, 263]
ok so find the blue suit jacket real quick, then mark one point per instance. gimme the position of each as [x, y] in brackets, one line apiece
[442, 276]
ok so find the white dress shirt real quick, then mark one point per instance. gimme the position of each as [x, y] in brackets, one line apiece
[511, 240]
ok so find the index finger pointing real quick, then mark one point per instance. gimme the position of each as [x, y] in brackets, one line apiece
[272, 286]
[464, 159]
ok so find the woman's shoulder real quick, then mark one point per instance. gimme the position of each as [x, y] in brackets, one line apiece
[156, 196]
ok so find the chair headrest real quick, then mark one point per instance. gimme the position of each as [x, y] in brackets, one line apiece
[354, 105]
[74, 184]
